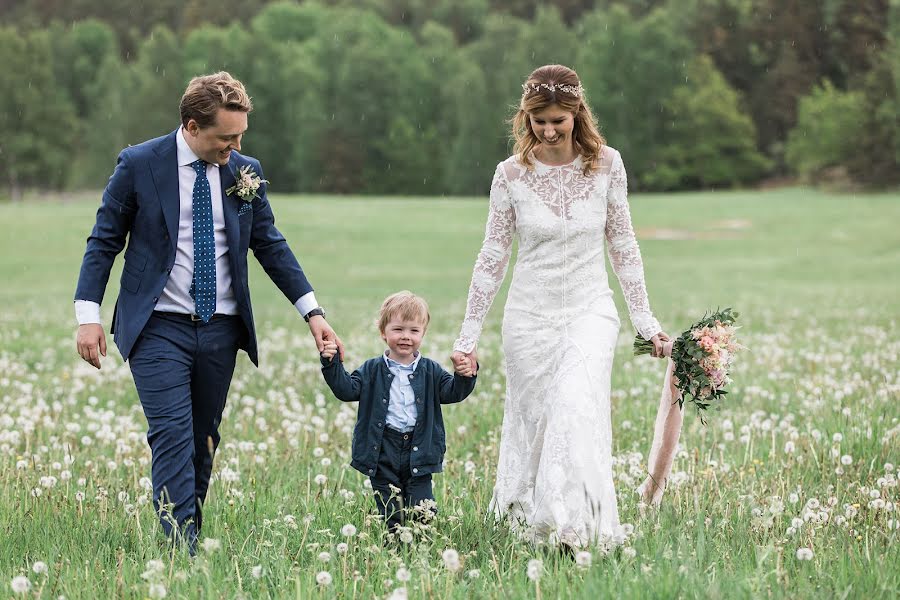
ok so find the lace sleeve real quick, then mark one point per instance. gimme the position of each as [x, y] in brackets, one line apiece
[624, 253]
[491, 264]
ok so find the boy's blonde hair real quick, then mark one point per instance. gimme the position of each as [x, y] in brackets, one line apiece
[404, 305]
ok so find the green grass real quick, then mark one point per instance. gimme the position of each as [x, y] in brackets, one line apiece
[814, 276]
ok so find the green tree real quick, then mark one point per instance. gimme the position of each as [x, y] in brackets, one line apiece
[88, 67]
[37, 119]
[155, 84]
[828, 120]
[711, 141]
[629, 67]
[488, 91]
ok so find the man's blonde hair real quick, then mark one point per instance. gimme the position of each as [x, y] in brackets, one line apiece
[404, 305]
[206, 94]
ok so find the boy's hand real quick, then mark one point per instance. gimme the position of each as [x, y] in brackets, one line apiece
[465, 365]
[330, 349]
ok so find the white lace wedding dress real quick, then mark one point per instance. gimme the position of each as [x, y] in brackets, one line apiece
[554, 478]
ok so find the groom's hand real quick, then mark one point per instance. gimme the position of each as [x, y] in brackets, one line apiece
[91, 342]
[323, 332]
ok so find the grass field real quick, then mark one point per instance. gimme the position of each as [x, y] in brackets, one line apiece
[802, 457]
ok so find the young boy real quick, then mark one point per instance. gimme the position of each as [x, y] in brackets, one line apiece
[399, 438]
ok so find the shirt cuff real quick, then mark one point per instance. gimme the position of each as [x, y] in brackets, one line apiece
[306, 303]
[87, 311]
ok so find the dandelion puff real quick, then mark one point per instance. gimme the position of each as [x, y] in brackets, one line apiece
[629, 552]
[583, 559]
[39, 567]
[398, 594]
[406, 536]
[155, 565]
[342, 548]
[804, 554]
[320, 479]
[534, 569]
[324, 556]
[211, 545]
[20, 585]
[256, 571]
[846, 460]
[348, 530]
[451, 559]
[473, 574]
[157, 591]
[323, 578]
[403, 574]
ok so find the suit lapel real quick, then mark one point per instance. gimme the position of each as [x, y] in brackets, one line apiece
[165, 177]
[230, 208]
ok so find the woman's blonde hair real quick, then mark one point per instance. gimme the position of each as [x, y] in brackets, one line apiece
[206, 94]
[406, 306]
[559, 85]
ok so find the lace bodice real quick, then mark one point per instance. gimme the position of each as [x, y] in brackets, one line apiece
[561, 218]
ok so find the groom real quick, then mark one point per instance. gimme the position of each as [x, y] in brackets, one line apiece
[183, 309]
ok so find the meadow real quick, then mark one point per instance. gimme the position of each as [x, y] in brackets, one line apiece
[789, 491]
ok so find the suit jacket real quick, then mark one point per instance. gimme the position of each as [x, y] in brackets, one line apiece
[141, 206]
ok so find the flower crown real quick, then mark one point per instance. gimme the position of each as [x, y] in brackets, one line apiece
[575, 90]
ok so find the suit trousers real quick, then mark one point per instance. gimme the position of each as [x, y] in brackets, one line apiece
[394, 470]
[182, 370]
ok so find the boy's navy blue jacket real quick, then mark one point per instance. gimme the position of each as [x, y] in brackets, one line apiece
[370, 384]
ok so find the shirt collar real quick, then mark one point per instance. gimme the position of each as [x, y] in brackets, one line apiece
[390, 362]
[185, 155]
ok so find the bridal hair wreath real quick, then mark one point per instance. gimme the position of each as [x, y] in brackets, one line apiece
[575, 90]
[247, 184]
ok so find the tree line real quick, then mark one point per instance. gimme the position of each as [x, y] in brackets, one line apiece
[414, 96]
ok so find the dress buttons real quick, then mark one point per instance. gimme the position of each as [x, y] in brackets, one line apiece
[415, 448]
[415, 470]
[384, 400]
[371, 471]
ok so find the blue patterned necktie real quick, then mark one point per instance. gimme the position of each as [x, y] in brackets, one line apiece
[204, 284]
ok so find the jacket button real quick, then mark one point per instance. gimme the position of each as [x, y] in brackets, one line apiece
[371, 471]
[378, 424]
[415, 448]
[419, 400]
[155, 299]
[384, 400]
[169, 270]
[415, 470]
[374, 446]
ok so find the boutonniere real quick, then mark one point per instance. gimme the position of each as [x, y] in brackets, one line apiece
[247, 184]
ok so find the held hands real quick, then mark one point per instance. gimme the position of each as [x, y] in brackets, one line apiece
[91, 343]
[662, 346]
[330, 350]
[325, 336]
[464, 364]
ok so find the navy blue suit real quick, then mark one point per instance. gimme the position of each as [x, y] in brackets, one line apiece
[182, 368]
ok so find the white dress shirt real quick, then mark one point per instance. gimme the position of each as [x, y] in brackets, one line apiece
[175, 297]
[402, 412]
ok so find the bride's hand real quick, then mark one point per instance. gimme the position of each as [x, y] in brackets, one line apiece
[659, 341]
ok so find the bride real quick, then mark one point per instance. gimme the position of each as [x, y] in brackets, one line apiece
[561, 193]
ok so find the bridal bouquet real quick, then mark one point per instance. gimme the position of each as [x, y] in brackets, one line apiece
[702, 357]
